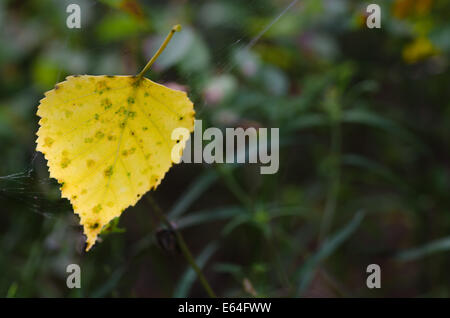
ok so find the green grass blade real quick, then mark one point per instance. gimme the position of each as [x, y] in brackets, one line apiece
[330, 246]
[189, 276]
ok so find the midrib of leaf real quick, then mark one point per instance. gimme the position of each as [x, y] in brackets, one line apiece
[119, 144]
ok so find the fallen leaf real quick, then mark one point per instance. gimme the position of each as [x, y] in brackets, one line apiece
[107, 140]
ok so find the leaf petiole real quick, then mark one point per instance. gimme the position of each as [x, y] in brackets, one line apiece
[175, 28]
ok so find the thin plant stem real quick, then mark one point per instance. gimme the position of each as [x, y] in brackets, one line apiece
[175, 28]
[333, 190]
[183, 246]
[281, 272]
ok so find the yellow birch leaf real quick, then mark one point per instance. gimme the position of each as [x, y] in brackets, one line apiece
[107, 140]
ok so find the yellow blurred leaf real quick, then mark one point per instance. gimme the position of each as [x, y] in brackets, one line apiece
[418, 50]
[404, 8]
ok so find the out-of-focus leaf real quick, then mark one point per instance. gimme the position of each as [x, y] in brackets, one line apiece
[366, 117]
[307, 121]
[288, 25]
[441, 245]
[219, 88]
[109, 284]
[331, 244]
[247, 61]
[118, 26]
[209, 216]
[193, 192]
[45, 73]
[197, 58]
[189, 276]
[235, 222]
[217, 14]
[12, 290]
[274, 81]
[370, 165]
[228, 268]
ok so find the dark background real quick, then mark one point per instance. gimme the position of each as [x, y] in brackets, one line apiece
[364, 117]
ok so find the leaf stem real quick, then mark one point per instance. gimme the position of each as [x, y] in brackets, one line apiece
[335, 180]
[175, 28]
[183, 246]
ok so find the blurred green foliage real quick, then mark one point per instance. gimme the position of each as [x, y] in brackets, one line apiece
[364, 117]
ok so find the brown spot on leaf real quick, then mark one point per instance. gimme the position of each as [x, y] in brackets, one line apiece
[106, 103]
[94, 225]
[97, 208]
[109, 171]
[65, 162]
[48, 142]
[99, 135]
